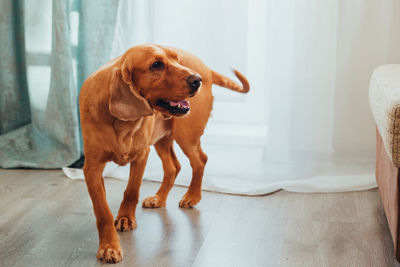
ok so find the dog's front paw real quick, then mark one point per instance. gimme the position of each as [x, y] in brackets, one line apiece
[111, 253]
[153, 202]
[189, 200]
[124, 224]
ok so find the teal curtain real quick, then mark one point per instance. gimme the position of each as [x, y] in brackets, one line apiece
[47, 49]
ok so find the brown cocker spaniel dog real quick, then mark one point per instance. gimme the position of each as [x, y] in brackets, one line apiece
[139, 99]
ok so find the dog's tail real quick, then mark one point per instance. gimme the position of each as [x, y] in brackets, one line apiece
[226, 82]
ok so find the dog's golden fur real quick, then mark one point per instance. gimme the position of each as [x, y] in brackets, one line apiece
[121, 118]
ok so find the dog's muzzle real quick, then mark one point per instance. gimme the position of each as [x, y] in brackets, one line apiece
[194, 82]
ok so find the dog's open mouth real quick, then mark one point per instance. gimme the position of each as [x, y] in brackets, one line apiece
[177, 108]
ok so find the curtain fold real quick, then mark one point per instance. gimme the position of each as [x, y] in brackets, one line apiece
[50, 138]
[14, 104]
[48, 48]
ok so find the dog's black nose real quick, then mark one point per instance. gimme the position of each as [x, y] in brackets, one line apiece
[194, 82]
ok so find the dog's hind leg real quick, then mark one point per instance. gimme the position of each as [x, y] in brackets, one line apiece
[171, 166]
[198, 160]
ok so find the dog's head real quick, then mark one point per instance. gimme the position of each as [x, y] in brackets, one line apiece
[150, 77]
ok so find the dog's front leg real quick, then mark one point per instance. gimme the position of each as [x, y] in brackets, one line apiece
[126, 220]
[109, 247]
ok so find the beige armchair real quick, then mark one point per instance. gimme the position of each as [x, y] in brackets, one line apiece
[384, 95]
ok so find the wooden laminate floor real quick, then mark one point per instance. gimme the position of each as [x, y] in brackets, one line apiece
[47, 220]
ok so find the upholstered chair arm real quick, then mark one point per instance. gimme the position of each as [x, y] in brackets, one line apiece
[384, 97]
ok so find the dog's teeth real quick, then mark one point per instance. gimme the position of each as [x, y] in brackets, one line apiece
[179, 105]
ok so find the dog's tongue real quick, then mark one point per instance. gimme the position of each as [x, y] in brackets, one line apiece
[184, 103]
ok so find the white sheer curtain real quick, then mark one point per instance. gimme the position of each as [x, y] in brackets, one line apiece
[305, 126]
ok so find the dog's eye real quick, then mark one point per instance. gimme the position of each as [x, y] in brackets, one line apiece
[157, 65]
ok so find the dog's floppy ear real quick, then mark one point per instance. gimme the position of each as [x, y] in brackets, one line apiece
[125, 102]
